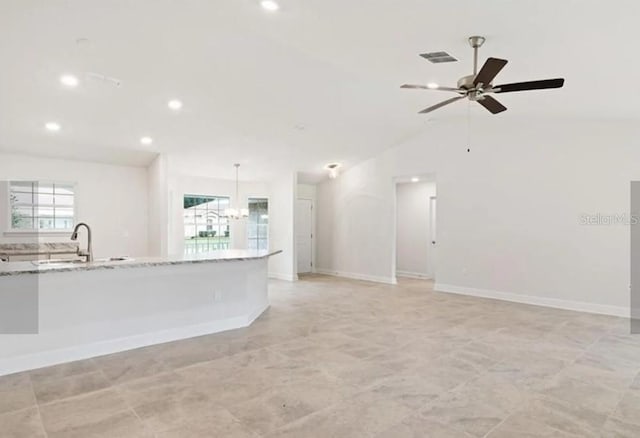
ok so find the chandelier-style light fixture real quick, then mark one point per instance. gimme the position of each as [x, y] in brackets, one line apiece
[236, 212]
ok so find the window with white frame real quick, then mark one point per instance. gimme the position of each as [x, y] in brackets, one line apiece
[258, 224]
[41, 206]
[205, 226]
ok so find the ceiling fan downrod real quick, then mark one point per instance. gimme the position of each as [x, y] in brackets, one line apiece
[476, 42]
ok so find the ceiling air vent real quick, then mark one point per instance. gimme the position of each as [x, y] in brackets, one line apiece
[438, 57]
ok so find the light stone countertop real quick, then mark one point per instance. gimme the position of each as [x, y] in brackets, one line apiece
[20, 268]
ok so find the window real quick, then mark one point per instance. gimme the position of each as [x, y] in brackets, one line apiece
[258, 224]
[205, 227]
[41, 206]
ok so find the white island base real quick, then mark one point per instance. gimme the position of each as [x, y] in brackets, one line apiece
[101, 309]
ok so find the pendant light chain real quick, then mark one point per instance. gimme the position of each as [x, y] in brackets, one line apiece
[237, 212]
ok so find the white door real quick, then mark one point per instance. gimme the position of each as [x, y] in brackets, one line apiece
[431, 255]
[304, 234]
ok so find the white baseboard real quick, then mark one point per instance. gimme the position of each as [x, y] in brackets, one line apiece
[80, 352]
[416, 275]
[256, 314]
[579, 306]
[285, 277]
[354, 276]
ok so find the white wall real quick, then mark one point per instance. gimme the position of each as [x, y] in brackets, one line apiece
[281, 227]
[158, 188]
[306, 191]
[413, 229]
[508, 212]
[111, 199]
[356, 223]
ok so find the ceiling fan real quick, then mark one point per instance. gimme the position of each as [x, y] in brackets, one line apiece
[479, 85]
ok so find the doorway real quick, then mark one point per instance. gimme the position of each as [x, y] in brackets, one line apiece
[416, 240]
[431, 254]
[304, 235]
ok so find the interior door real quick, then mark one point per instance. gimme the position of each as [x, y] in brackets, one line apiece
[433, 241]
[304, 234]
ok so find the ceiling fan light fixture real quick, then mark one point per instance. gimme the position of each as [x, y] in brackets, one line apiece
[476, 86]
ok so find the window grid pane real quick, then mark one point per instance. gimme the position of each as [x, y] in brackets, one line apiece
[205, 227]
[41, 206]
[258, 224]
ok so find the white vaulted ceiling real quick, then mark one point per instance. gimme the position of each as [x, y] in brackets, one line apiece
[316, 82]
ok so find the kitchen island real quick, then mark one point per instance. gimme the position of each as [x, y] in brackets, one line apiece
[87, 309]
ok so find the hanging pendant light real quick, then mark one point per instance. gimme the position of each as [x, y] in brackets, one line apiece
[236, 212]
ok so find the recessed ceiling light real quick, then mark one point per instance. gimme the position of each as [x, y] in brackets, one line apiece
[175, 104]
[52, 126]
[432, 85]
[146, 140]
[415, 179]
[69, 80]
[269, 5]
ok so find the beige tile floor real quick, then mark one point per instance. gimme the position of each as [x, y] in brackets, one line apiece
[341, 358]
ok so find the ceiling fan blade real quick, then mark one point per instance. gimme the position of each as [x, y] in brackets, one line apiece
[415, 87]
[425, 87]
[489, 70]
[492, 105]
[531, 85]
[441, 104]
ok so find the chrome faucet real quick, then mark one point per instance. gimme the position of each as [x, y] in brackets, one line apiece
[89, 252]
